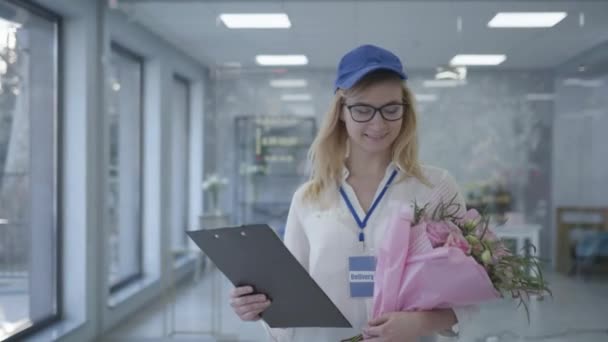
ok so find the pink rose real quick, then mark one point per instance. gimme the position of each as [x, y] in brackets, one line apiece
[471, 215]
[471, 219]
[456, 239]
[438, 232]
[500, 251]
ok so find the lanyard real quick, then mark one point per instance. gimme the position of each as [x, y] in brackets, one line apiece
[363, 224]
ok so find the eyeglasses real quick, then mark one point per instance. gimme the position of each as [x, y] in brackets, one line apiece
[365, 113]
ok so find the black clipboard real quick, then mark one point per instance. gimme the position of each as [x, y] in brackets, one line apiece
[254, 255]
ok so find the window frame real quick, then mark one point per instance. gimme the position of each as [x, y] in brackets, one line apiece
[123, 51]
[57, 223]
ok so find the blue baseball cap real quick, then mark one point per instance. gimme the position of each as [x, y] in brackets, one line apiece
[364, 59]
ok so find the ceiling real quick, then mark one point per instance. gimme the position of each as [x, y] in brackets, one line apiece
[423, 33]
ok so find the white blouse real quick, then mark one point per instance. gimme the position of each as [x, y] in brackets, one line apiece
[323, 238]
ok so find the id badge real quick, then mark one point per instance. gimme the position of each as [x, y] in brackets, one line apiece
[361, 276]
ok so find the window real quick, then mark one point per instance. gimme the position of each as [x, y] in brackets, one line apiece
[124, 173]
[179, 161]
[29, 201]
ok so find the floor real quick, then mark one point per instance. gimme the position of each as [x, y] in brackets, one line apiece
[14, 303]
[190, 313]
[577, 312]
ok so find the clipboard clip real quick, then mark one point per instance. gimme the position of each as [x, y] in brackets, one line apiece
[217, 236]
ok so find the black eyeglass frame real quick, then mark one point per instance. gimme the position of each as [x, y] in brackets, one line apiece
[376, 110]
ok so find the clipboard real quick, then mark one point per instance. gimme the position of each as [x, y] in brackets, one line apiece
[254, 255]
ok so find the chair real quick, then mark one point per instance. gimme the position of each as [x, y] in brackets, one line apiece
[590, 250]
[581, 232]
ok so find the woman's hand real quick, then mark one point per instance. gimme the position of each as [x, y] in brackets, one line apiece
[397, 327]
[247, 305]
[407, 326]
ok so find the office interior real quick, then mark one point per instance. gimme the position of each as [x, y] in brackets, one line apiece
[126, 123]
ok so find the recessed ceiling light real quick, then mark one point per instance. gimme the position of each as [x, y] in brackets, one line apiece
[274, 60]
[527, 19]
[295, 97]
[256, 21]
[478, 59]
[288, 83]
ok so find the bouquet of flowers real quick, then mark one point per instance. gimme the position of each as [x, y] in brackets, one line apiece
[438, 260]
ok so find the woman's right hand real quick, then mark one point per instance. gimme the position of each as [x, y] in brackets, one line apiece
[246, 305]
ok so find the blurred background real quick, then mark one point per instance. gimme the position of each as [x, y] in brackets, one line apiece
[126, 123]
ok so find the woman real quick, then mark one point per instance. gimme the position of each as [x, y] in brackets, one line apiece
[364, 166]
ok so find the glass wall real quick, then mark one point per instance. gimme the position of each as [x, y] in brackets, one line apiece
[124, 174]
[29, 230]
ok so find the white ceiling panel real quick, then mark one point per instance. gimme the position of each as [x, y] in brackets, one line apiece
[424, 34]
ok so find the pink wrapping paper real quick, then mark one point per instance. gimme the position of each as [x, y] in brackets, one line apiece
[412, 275]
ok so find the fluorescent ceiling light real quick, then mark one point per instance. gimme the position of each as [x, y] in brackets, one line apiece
[295, 97]
[527, 19]
[274, 60]
[443, 83]
[478, 59]
[446, 75]
[288, 83]
[451, 72]
[256, 21]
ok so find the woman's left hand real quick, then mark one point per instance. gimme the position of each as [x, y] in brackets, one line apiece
[397, 327]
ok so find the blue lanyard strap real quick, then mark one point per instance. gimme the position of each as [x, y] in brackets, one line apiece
[363, 224]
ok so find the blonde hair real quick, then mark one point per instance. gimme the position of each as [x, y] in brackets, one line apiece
[328, 150]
